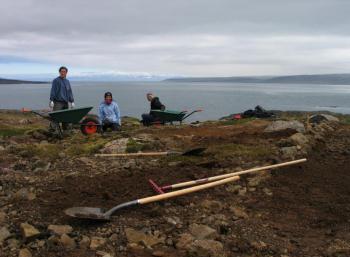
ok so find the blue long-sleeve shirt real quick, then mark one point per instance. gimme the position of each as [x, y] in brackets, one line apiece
[109, 112]
[61, 90]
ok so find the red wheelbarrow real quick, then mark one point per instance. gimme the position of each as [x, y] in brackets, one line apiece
[89, 124]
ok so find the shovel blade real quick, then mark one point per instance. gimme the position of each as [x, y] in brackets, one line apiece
[90, 213]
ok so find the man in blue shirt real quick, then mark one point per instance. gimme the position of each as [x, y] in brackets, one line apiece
[61, 96]
[109, 114]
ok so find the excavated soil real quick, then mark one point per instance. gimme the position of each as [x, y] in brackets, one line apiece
[301, 210]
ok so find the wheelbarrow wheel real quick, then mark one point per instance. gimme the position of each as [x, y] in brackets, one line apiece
[90, 126]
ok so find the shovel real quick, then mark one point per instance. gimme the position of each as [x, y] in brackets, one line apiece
[192, 152]
[161, 189]
[92, 213]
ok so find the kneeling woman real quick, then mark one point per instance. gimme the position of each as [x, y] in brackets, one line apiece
[109, 113]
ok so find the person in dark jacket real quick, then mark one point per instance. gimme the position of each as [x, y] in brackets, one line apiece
[61, 95]
[148, 118]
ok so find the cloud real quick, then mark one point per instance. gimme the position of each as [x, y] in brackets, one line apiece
[189, 37]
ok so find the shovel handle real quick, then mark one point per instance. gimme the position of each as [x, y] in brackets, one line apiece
[185, 191]
[131, 154]
[200, 181]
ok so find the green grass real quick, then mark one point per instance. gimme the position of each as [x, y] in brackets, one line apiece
[133, 146]
[345, 119]
[44, 151]
[9, 132]
[235, 122]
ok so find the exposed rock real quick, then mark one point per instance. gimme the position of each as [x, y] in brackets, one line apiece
[339, 248]
[239, 212]
[159, 253]
[299, 139]
[134, 236]
[24, 253]
[13, 243]
[233, 188]
[61, 155]
[318, 118]
[84, 242]
[285, 142]
[281, 125]
[259, 245]
[202, 231]
[267, 191]
[28, 231]
[67, 242]
[184, 241]
[116, 146]
[289, 152]
[173, 221]
[211, 204]
[97, 242]
[2, 148]
[258, 178]
[325, 127]
[24, 121]
[24, 194]
[206, 248]
[59, 229]
[4, 234]
[103, 254]
[2, 217]
[242, 191]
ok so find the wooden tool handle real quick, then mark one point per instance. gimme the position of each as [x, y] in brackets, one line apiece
[156, 198]
[131, 154]
[199, 181]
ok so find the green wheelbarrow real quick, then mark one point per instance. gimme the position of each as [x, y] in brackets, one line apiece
[171, 116]
[89, 124]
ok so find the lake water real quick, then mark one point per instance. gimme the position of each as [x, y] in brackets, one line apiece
[216, 99]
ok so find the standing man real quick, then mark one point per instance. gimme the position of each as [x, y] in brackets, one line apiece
[61, 96]
[109, 114]
[148, 118]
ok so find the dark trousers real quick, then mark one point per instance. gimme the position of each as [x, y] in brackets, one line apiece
[147, 119]
[113, 126]
[61, 106]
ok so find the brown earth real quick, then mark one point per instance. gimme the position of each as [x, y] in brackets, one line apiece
[303, 210]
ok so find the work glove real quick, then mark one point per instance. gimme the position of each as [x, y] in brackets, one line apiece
[51, 104]
[72, 105]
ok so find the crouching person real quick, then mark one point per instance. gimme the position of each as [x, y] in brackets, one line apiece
[109, 114]
[149, 118]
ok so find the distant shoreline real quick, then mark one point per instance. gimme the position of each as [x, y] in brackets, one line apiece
[15, 81]
[322, 79]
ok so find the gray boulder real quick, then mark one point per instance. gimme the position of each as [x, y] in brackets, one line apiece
[319, 118]
[281, 125]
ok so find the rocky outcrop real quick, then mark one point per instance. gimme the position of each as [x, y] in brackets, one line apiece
[281, 125]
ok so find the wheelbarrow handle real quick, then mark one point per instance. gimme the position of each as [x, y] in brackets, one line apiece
[185, 191]
[186, 116]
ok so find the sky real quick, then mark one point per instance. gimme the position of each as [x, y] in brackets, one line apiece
[175, 38]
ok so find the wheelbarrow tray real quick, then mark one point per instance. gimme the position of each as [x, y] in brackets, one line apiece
[169, 115]
[70, 115]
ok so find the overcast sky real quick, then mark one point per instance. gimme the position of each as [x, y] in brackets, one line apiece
[182, 37]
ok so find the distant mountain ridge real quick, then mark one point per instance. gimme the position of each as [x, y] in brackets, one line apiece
[16, 81]
[325, 79]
